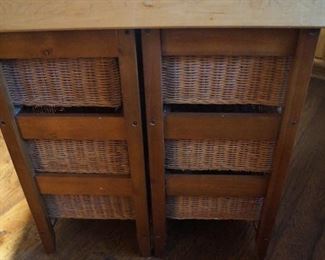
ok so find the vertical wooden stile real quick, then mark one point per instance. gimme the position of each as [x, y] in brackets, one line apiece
[298, 85]
[24, 170]
[154, 108]
[132, 114]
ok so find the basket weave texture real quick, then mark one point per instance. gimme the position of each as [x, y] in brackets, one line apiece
[235, 155]
[74, 156]
[63, 82]
[79, 156]
[225, 79]
[89, 207]
[183, 207]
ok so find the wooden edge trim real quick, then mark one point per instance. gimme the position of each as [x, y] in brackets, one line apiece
[24, 169]
[216, 185]
[82, 184]
[252, 42]
[65, 44]
[219, 125]
[69, 126]
[297, 92]
[132, 113]
[82, 14]
[155, 132]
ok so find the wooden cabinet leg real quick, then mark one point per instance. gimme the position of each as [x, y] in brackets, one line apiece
[298, 85]
[154, 108]
[24, 170]
[132, 114]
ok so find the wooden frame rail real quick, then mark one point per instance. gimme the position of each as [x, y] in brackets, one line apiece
[252, 42]
[221, 125]
[83, 184]
[72, 126]
[70, 44]
[216, 185]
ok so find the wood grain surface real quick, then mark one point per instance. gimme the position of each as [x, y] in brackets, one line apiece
[222, 125]
[155, 135]
[297, 93]
[23, 15]
[51, 45]
[216, 185]
[85, 184]
[299, 230]
[253, 42]
[75, 127]
[23, 166]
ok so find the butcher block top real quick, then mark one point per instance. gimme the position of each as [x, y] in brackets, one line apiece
[31, 15]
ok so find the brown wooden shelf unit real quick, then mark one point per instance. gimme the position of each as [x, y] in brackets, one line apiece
[211, 150]
[75, 165]
[222, 109]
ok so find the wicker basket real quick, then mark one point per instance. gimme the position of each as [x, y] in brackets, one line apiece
[89, 207]
[76, 156]
[225, 79]
[235, 155]
[63, 82]
[182, 207]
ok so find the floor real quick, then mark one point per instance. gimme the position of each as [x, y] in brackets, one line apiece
[299, 231]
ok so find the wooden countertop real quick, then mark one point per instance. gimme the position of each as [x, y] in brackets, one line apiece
[31, 15]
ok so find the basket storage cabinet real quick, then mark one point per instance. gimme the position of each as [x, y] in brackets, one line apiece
[70, 111]
[222, 110]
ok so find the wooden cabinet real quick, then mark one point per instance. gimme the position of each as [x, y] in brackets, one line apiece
[70, 111]
[222, 110]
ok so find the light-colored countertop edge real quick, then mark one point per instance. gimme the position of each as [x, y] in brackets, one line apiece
[36, 15]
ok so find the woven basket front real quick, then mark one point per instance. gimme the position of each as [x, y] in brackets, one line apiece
[183, 207]
[63, 82]
[89, 207]
[225, 79]
[79, 156]
[235, 155]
